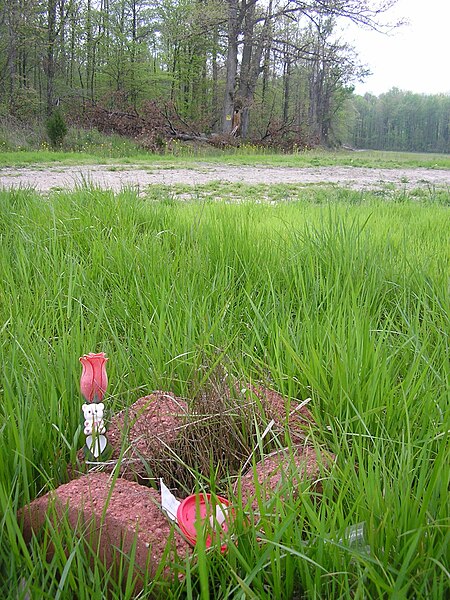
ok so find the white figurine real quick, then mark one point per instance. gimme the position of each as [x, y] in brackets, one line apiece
[94, 427]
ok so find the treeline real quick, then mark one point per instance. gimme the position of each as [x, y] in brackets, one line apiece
[274, 71]
[270, 71]
[400, 120]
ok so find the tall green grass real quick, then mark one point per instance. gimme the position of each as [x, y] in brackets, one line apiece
[345, 303]
[85, 148]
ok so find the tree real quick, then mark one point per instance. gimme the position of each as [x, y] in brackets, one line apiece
[276, 65]
[250, 27]
[400, 120]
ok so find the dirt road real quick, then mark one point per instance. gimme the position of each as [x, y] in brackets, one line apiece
[116, 177]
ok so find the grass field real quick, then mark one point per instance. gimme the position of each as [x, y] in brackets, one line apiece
[341, 301]
[186, 156]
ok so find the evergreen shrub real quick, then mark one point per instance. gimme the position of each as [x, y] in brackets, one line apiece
[56, 128]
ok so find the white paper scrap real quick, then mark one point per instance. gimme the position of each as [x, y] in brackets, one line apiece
[169, 503]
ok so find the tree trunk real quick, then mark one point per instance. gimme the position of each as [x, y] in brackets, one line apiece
[286, 85]
[215, 79]
[50, 66]
[252, 54]
[231, 66]
[89, 51]
[133, 84]
[266, 62]
[11, 49]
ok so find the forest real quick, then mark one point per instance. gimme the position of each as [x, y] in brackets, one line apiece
[402, 120]
[271, 72]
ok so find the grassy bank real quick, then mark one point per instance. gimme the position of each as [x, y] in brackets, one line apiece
[125, 153]
[343, 302]
[24, 144]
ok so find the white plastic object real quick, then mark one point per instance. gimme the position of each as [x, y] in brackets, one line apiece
[169, 503]
[96, 444]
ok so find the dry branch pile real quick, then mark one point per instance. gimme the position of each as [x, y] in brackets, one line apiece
[153, 126]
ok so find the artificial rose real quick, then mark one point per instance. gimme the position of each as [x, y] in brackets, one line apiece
[94, 380]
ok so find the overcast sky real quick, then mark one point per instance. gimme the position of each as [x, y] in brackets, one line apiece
[415, 57]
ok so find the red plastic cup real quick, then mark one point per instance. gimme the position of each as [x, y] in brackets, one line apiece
[199, 507]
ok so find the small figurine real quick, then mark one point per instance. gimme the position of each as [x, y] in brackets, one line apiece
[94, 428]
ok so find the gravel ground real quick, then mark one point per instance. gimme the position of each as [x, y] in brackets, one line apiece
[116, 177]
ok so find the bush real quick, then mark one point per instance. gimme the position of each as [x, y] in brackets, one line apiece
[56, 129]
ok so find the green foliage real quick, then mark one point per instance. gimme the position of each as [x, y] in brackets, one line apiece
[56, 128]
[25, 104]
[176, 51]
[20, 135]
[80, 145]
[340, 300]
[403, 121]
[93, 142]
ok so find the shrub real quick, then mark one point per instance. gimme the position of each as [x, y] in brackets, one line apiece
[56, 129]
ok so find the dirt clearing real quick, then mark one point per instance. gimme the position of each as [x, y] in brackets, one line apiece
[118, 176]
